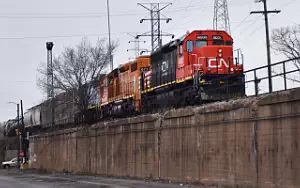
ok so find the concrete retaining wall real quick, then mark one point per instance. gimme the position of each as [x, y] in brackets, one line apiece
[10, 154]
[2, 148]
[248, 142]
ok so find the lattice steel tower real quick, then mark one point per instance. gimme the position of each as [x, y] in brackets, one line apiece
[221, 16]
[155, 18]
[137, 48]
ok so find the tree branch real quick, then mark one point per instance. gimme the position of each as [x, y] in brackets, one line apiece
[76, 68]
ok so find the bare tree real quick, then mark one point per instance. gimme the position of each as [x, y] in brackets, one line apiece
[76, 68]
[286, 41]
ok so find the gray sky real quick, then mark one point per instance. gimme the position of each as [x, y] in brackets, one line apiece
[27, 25]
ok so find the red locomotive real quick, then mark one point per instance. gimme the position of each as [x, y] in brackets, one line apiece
[199, 67]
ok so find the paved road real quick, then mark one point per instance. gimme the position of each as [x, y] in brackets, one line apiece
[14, 179]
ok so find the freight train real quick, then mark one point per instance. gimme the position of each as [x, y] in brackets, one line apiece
[197, 68]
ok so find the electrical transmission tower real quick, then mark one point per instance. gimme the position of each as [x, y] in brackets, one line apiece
[221, 16]
[155, 18]
[137, 49]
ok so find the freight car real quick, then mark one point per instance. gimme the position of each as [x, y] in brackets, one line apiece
[40, 116]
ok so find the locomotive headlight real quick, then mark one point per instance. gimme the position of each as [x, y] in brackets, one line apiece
[220, 50]
[220, 55]
[231, 69]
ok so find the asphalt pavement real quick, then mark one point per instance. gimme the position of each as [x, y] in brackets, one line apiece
[17, 179]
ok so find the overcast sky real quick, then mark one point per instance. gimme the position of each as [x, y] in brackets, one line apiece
[27, 25]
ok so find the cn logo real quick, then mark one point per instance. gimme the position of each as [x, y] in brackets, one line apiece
[164, 66]
[212, 63]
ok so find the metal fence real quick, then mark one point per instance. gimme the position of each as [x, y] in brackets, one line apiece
[285, 75]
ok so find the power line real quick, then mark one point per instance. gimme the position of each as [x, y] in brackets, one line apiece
[70, 36]
[91, 15]
[56, 36]
[285, 5]
[97, 15]
[257, 29]
[188, 6]
[254, 21]
[243, 19]
[241, 23]
[16, 81]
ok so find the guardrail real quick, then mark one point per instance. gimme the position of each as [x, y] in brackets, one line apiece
[286, 75]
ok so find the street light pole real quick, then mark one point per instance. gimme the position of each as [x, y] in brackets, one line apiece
[109, 38]
[23, 132]
[19, 128]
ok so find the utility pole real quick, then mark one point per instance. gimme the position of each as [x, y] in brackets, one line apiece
[23, 131]
[265, 13]
[221, 16]
[50, 79]
[155, 18]
[109, 38]
[19, 129]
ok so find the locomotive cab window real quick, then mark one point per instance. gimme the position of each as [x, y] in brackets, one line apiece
[189, 46]
[218, 42]
[228, 43]
[201, 43]
[180, 50]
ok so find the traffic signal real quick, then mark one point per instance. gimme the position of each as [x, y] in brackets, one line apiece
[17, 132]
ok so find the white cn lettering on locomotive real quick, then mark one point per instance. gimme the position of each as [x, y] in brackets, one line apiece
[212, 63]
[164, 66]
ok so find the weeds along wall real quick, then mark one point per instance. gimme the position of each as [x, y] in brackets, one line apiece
[247, 142]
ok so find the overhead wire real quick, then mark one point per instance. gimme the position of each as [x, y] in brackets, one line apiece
[188, 6]
[251, 24]
[244, 20]
[90, 15]
[258, 28]
[16, 81]
[70, 36]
